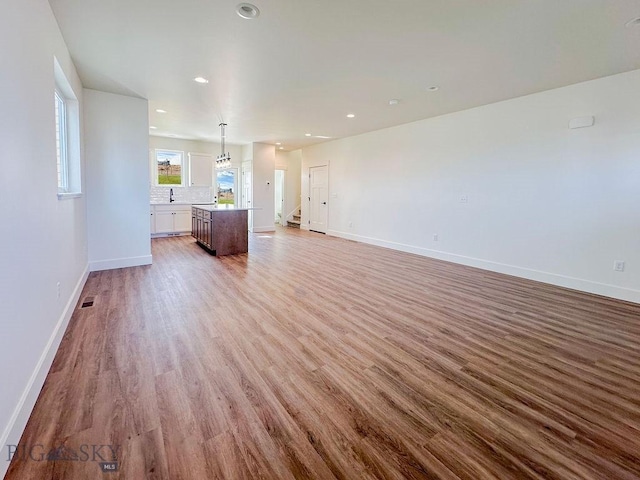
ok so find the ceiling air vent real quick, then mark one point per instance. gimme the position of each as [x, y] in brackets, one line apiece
[248, 11]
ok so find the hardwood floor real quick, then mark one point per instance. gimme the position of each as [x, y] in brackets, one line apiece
[316, 357]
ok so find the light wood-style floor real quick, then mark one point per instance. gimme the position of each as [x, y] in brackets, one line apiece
[316, 357]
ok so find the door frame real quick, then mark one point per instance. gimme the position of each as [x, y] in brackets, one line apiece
[283, 218]
[247, 167]
[309, 197]
[236, 184]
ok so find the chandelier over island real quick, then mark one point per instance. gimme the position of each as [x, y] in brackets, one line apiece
[224, 159]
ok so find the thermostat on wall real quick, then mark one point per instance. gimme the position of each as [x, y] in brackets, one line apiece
[581, 122]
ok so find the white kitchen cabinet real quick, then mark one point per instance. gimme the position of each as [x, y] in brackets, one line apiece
[200, 170]
[170, 220]
[164, 221]
[182, 221]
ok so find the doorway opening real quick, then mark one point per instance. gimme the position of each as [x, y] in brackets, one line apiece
[247, 189]
[280, 214]
[227, 186]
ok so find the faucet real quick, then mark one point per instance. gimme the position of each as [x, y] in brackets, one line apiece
[171, 199]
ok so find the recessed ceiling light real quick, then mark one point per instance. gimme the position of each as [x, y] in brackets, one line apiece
[151, 127]
[633, 23]
[351, 115]
[247, 11]
[281, 148]
[433, 88]
[278, 143]
[394, 101]
[307, 134]
[159, 110]
[321, 136]
[201, 80]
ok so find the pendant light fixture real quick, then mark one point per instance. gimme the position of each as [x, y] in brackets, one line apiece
[224, 159]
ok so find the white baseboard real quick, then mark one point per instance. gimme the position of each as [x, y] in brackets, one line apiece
[306, 227]
[119, 263]
[22, 412]
[172, 234]
[263, 229]
[588, 286]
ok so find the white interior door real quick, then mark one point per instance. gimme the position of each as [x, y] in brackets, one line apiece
[318, 198]
[247, 190]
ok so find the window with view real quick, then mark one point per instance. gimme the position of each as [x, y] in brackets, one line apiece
[61, 143]
[67, 125]
[169, 167]
[226, 180]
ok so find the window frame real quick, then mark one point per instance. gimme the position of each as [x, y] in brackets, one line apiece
[67, 136]
[62, 139]
[156, 172]
[236, 183]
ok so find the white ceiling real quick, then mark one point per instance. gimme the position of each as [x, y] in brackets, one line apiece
[304, 64]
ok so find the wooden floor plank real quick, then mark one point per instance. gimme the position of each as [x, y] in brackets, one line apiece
[316, 357]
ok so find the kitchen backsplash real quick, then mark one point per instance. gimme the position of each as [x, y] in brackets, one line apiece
[182, 194]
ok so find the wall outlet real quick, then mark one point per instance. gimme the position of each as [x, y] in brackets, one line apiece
[464, 199]
[618, 265]
[58, 290]
[435, 237]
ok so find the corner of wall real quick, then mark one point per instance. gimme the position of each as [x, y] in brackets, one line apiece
[20, 417]
[97, 266]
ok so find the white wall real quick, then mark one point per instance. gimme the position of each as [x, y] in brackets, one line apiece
[247, 152]
[116, 146]
[43, 239]
[291, 162]
[544, 202]
[263, 168]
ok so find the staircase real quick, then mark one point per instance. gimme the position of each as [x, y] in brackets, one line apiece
[295, 223]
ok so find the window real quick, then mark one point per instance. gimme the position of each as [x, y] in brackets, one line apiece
[61, 143]
[67, 124]
[169, 169]
[226, 180]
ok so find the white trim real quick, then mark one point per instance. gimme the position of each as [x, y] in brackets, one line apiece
[263, 229]
[283, 218]
[580, 284]
[62, 140]
[154, 160]
[69, 195]
[120, 263]
[236, 185]
[306, 227]
[22, 412]
[71, 151]
[170, 234]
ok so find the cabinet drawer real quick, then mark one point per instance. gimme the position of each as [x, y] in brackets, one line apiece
[172, 208]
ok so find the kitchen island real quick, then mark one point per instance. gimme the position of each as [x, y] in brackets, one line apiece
[220, 229]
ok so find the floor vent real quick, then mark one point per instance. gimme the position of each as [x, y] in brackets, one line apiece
[88, 302]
